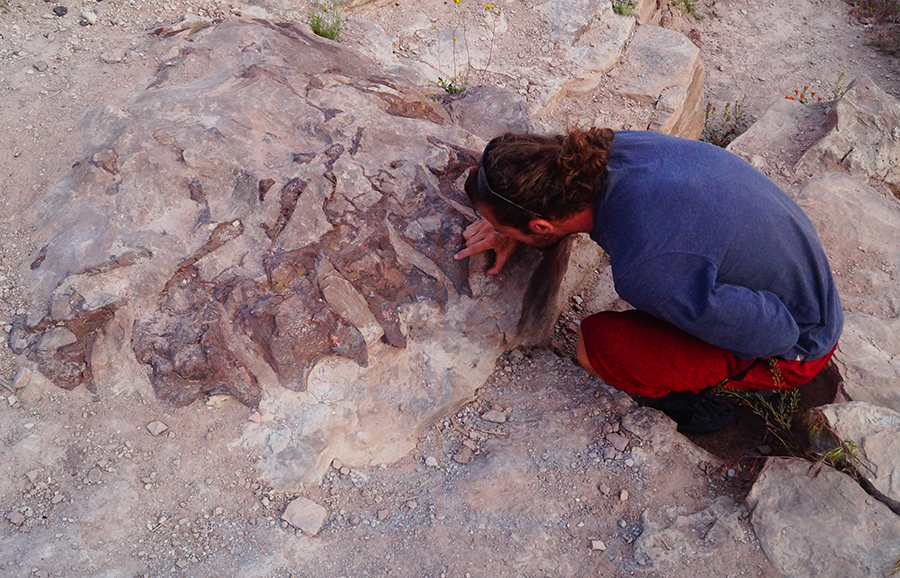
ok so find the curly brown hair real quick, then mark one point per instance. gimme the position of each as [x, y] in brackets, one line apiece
[531, 175]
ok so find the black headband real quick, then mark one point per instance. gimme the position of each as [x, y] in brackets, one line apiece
[484, 185]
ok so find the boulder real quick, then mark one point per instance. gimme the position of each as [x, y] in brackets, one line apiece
[782, 134]
[864, 137]
[277, 224]
[821, 524]
[858, 227]
[876, 433]
[662, 69]
[597, 50]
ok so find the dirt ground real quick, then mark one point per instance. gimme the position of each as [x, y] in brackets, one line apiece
[102, 496]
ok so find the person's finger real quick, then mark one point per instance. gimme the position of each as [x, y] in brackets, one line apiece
[481, 226]
[503, 254]
[473, 249]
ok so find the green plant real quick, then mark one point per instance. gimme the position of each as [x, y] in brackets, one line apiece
[805, 95]
[461, 66]
[686, 7]
[623, 7]
[327, 19]
[732, 124]
[838, 89]
[452, 86]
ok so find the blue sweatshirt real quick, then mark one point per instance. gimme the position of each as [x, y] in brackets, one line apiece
[699, 238]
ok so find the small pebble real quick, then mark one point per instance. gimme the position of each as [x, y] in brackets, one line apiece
[623, 496]
[598, 545]
[60, 11]
[156, 427]
[431, 462]
[622, 523]
[494, 416]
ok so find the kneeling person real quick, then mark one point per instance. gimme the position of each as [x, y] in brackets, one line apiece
[730, 284]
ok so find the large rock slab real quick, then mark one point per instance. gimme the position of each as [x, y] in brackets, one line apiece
[662, 68]
[858, 227]
[864, 137]
[821, 526]
[876, 433]
[271, 218]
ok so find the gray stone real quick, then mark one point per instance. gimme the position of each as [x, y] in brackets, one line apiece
[114, 56]
[858, 228]
[821, 524]
[672, 535]
[876, 433]
[494, 416]
[16, 518]
[568, 19]
[663, 69]
[488, 111]
[56, 338]
[864, 139]
[617, 441]
[305, 515]
[156, 427]
[40, 65]
[774, 135]
[597, 50]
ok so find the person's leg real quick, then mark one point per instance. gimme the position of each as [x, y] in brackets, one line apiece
[644, 356]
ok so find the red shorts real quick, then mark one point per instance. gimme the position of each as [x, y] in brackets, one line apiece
[642, 355]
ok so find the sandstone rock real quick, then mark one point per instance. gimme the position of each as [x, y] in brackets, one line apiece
[670, 535]
[864, 139]
[306, 268]
[876, 433]
[649, 11]
[662, 68]
[597, 50]
[568, 20]
[821, 526]
[305, 515]
[494, 416]
[776, 134]
[488, 111]
[858, 226]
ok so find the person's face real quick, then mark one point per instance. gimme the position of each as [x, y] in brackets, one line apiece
[542, 240]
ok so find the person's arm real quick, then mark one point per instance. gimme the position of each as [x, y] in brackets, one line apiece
[682, 289]
[480, 236]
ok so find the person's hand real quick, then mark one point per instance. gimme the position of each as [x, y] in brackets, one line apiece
[481, 236]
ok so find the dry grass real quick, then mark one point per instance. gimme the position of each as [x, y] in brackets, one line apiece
[884, 16]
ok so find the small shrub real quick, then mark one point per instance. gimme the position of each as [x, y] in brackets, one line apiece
[686, 7]
[327, 19]
[732, 124]
[884, 18]
[452, 86]
[623, 7]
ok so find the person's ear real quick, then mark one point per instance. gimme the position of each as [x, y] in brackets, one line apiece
[540, 226]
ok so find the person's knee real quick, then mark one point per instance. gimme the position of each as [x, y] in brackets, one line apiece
[581, 354]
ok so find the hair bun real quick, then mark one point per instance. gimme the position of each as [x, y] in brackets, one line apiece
[585, 152]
